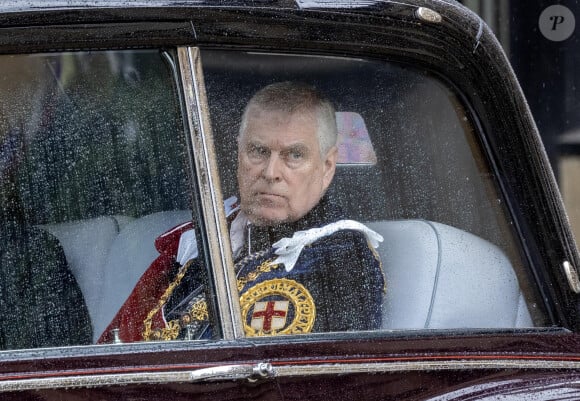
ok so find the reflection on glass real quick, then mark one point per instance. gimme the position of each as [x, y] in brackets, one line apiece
[91, 168]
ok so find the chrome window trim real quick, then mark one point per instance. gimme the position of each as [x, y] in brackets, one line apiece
[199, 124]
[263, 370]
[251, 372]
[410, 366]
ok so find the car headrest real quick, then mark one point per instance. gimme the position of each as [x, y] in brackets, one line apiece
[86, 244]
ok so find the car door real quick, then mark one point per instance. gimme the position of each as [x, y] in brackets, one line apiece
[429, 139]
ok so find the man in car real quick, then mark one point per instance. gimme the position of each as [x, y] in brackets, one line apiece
[300, 266]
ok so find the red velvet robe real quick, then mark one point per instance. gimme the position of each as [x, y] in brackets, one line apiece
[147, 292]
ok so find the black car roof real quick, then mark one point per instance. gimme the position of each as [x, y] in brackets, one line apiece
[374, 5]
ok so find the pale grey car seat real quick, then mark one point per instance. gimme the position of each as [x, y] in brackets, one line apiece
[440, 277]
[109, 254]
[86, 245]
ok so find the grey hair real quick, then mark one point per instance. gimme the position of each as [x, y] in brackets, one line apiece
[293, 97]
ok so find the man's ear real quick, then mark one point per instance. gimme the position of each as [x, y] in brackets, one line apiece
[329, 166]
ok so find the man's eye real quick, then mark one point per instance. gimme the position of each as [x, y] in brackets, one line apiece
[295, 155]
[258, 152]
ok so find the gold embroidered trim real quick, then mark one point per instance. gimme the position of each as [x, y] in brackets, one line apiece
[198, 312]
[264, 267]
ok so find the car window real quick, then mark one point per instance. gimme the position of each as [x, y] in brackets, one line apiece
[93, 177]
[412, 182]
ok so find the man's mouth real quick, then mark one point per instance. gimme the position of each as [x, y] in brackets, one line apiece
[269, 196]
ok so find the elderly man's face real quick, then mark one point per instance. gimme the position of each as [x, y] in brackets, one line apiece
[281, 174]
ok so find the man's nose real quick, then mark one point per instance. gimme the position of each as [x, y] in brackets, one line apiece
[273, 168]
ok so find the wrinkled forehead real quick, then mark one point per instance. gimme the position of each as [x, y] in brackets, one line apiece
[272, 120]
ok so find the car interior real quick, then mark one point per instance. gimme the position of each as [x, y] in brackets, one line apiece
[448, 252]
[102, 165]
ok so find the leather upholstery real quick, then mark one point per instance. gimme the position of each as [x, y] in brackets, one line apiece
[440, 277]
[108, 255]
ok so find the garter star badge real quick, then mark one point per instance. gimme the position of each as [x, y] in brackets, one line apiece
[278, 306]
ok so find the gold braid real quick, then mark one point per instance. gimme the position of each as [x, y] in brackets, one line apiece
[199, 310]
[265, 267]
[173, 329]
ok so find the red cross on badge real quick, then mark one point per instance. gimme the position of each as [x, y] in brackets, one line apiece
[269, 315]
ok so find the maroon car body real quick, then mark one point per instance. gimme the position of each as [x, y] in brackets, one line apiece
[437, 38]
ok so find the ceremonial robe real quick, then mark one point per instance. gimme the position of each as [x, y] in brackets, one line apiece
[335, 284]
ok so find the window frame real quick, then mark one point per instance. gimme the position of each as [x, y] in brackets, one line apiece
[527, 263]
[198, 119]
[186, 25]
[198, 128]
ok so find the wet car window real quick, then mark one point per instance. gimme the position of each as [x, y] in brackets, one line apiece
[92, 173]
[412, 183]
